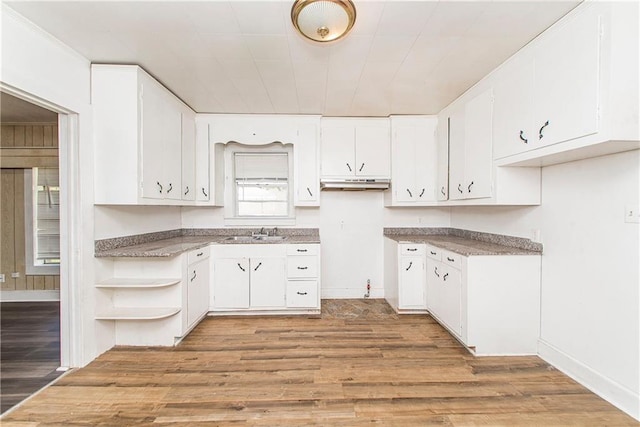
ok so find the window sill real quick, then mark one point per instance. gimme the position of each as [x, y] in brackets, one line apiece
[259, 221]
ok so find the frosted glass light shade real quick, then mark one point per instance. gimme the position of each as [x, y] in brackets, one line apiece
[323, 20]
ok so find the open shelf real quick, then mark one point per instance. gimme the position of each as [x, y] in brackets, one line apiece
[127, 282]
[137, 313]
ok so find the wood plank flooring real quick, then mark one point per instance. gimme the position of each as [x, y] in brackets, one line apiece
[366, 366]
[29, 349]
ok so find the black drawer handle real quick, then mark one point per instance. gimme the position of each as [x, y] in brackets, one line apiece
[240, 267]
[186, 191]
[445, 276]
[200, 254]
[410, 264]
[194, 276]
[412, 249]
[433, 253]
[450, 259]
[435, 270]
[301, 250]
[301, 293]
[302, 268]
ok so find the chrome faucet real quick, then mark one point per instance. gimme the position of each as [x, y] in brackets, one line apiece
[273, 232]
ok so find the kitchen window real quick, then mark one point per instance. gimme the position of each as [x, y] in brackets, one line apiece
[259, 187]
[42, 221]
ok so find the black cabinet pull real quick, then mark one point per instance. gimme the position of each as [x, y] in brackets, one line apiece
[240, 267]
[360, 170]
[445, 276]
[525, 140]
[170, 188]
[257, 266]
[460, 188]
[350, 170]
[200, 254]
[410, 264]
[435, 270]
[186, 191]
[421, 193]
[302, 268]
[301, 293]
[301, 250]
[409, 191]
[450, 259]
[412, 249]
[469, 187]
[194, 276]
[540, 135]
[204, 192]
[159, 186]
[442, 191]
[309, 191]
[432, 253]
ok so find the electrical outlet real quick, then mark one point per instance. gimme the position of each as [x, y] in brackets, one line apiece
[632, 214]
[15, 275]
[2, 280]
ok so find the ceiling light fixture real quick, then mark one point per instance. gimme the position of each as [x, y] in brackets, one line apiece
[323, 20]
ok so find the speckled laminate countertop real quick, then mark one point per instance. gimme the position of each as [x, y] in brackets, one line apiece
[467, 243]
[176, 242]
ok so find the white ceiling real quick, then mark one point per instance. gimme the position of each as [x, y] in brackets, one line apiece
[402, 57]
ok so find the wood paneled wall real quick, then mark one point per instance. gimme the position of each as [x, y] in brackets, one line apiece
[27, 138]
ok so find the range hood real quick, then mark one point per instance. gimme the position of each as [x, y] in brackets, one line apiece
[354, 184]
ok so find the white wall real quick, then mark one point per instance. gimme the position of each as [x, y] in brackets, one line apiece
[36, 65]
[590, 274]
[116, 221]
[351, 225]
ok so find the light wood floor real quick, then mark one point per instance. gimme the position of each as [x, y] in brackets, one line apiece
[340, 370]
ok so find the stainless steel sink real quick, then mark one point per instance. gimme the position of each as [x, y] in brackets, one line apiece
[239, 238]
[269, 238]
[249, 239]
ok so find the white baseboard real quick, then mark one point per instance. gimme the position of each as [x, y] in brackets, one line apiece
[614, 393]
[345, 293]
[29, 296]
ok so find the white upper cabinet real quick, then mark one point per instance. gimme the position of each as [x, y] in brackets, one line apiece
[138, 133]
[573, 92]
[457, 155]
[478, 136]
[306, 166]
[188, 192]
[442, 164]
[355, 148]
[413, 161]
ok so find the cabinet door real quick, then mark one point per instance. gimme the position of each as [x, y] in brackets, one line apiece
[153, 137]
[434, 277]
[373, 151]
[425, 162]
[231, 283]
[268, 284]
[450, 298]
[203, 164]
[337, 150]
[412, 284]
[188, 155]
[172, 160]
[513, 111]
[307, 181]
[442, 189]
[478, 140]
[197, 290]
[403, 180]
[456, 155]
[567, 81]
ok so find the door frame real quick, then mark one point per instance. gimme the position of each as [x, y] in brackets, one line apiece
[70, 230]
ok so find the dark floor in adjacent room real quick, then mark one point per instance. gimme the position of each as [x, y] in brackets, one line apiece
[29, 349]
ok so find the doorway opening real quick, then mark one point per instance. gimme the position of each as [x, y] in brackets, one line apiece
[30, 259]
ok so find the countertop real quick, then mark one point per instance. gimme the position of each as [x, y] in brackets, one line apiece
[172, 246]
[468, 246]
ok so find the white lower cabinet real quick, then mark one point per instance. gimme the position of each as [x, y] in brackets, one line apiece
[405, 282]
[265, 278]
[490, 303]
[153, 301]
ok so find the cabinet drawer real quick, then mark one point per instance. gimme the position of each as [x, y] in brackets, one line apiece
[198, 254]
[411, 249]
[302, 293]
[302, 266]
[303, 249]
[434, 253]
[451, 259]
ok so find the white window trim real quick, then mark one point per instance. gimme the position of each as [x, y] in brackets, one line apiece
[230, 217]
[31, 268]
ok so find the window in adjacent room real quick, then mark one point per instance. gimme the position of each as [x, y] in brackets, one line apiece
[42, 220]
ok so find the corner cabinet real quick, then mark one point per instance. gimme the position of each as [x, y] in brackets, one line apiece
[355, 148]
[413, 161]
[138, 132]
